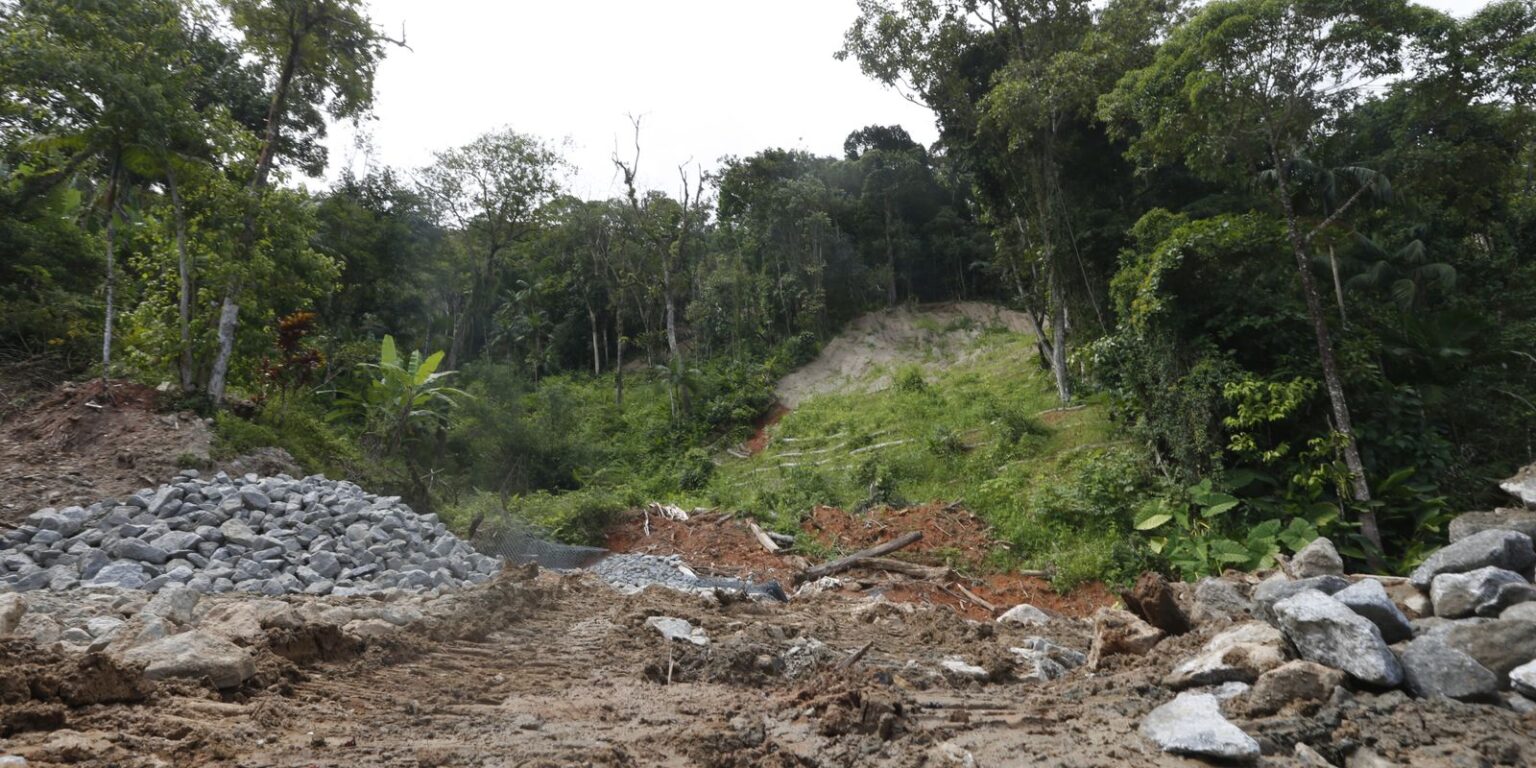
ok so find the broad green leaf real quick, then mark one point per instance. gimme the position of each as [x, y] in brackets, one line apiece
[428, 366]
[1154, 521]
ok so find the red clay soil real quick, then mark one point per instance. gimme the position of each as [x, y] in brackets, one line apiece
[723, 545]
[759, 439]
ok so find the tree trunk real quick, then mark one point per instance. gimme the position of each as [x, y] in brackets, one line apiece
[1359, 485]
[890, 258]
[106, 330]
[1059, 341]
[597, 349]
[618, 360]
[184, 274]
[229, 315]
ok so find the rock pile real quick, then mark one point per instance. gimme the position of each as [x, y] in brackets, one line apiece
[273, 536]
[1471, 638]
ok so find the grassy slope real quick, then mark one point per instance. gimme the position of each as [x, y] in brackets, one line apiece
[1054, 483]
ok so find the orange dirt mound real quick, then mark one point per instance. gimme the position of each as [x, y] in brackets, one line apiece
[720, 544]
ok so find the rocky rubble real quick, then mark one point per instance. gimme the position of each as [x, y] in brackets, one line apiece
[1326, 637]
[272, 535]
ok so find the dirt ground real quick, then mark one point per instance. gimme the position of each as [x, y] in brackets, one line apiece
[550, 670]
[75, 445]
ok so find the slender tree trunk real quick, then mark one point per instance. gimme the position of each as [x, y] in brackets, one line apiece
[890, 257]
[597, 349]
[618, 360]
[229, 313]
[1059, 341]
[106, 331]
[1359, 485]
[184, 274]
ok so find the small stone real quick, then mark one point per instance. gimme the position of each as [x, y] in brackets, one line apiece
[1523, 678]
[1307, 757]
[194, 654]
[121, 573]
[1522, 486]
[960, 668]
[137, 549]
[1295, 682]
[1024, 615]
[1192, 724]
[1509, 550]
[1319, 558]
[1369, 599]
[1325, 631]
[254, 499]
[12, 608]
[175, 603]
[1519, 703]
[677, 629]
[1485, 592]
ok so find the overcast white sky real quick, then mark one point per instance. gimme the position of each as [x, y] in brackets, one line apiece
[709, 78]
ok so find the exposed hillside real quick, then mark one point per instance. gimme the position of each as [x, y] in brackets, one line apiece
[945, 403]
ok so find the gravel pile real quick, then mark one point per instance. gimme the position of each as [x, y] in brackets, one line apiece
[630, 573]
[273, 535]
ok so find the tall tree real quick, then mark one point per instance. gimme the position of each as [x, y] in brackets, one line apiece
[492, 192]
[1249, 85]
[318, 53]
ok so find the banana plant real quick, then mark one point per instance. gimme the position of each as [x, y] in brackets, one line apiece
[400, 394]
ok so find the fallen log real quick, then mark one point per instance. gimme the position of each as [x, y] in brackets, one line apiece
[843, 564]
[762, 538]
[975, 598]
[924, 572]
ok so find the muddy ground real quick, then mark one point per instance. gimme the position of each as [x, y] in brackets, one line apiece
[552, 670]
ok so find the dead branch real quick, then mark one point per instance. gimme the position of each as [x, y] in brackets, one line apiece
[843, 564]
[762, 538]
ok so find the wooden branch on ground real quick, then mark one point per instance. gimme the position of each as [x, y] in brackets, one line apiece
[843, 564]
[853, 658]
[762, 538]
[975, 598]
[924, 572]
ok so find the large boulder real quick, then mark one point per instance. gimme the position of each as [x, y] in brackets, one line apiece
[1502, 519]
[1120, 632]
[1219, 599]
[175, 602]
[1522, 486]
[1324, 630]
[1276, 588]
[1499, 645]
[1433, 669]
[1192, 724]
[195, 655]
[1510, 550]
[1485, 592]
[1240, 654]
[1319, 558]
[1369, 599]
[1153, 599]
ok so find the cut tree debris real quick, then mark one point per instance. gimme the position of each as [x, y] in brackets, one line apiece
[843, 564]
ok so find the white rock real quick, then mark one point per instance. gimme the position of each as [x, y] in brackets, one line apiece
[960, 667]
[1192, 724]
[175, 603]
[1319, 558]
[1024, 615]
[678, 629]
[1523, 678]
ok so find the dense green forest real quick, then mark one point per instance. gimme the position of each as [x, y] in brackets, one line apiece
[1287, 248]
